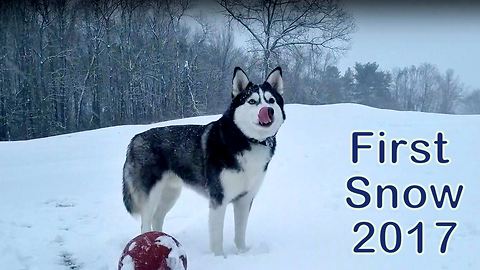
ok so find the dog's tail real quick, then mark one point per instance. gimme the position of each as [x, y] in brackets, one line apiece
[128, 185]
[128, 200]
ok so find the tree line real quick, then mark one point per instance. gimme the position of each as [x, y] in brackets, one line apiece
[421, 88]
[72, 65]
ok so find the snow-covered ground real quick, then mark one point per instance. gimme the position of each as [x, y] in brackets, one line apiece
[61, 204]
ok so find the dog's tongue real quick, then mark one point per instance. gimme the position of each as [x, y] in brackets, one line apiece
[263, 116]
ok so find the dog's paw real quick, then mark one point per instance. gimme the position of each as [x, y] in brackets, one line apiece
[219, 254]
[243, 249]
[240, 243]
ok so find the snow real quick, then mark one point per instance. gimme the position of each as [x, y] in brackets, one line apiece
[61, 199]
[132, 246]
[127, 263]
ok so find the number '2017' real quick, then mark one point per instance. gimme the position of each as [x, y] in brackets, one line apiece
[393, 245]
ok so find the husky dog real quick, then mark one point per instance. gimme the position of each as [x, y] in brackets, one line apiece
[224, 160]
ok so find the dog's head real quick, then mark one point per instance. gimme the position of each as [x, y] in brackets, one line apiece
[258, 109]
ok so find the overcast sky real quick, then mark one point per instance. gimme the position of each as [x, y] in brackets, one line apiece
[412, 32]
[398, 35]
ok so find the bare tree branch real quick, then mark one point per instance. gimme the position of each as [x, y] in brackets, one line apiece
[278, 24]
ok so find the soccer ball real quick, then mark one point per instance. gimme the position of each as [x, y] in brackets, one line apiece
[153, 251]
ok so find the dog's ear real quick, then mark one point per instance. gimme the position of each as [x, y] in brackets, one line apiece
[275, 80]
[240, 81]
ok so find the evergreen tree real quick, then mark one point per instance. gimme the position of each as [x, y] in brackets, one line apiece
[372, 85]
[348, 86]
[331, 83]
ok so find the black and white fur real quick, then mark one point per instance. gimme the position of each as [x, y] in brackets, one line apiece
[225, 160]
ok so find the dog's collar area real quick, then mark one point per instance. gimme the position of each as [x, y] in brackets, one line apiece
[267, 142]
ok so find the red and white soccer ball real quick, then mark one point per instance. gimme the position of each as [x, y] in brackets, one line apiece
[153, 251]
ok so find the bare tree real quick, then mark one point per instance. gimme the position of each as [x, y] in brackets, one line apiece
[450, 92]
[417, 88]
[275, 25]
[472, 102]
[428, 87]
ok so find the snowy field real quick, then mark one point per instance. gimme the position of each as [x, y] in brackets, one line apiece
[61, 204]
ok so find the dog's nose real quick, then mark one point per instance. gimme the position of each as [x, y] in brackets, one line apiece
[271, 111]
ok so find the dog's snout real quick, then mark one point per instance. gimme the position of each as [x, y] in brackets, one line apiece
[271, 111]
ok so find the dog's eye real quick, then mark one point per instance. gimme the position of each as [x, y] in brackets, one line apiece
[271, 100]
[252, 101]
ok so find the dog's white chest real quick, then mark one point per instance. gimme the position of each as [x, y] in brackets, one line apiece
[250, 177]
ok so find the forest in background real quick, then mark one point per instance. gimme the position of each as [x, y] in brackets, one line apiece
[72, 65]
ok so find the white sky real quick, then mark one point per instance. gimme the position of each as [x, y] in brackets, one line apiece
[397, 36]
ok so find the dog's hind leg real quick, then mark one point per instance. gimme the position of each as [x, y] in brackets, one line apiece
[146, 220]
[147, 214]
[163, 196]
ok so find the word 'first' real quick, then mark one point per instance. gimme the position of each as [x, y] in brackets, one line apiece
[420, 149]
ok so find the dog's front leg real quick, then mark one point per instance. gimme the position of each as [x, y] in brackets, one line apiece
[215, 222]
[241, 209]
